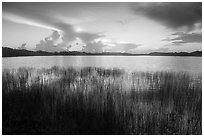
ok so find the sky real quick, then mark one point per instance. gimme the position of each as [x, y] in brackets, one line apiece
[130, 27]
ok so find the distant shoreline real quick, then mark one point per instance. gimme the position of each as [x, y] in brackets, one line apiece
[9, 52]
[99, 55]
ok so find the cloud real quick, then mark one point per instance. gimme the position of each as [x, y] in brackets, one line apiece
[33, 14]
[52, 44]
[68, 35]
[45, 15]
[122, 47]
[189, 38]
[125, 21]
[100, 46]
[68, 31]
[23, 46]
[39, 15]
[22, 20]
[161, 49]
[94, 47]
[157, 49]
[172, 14]
[88, 37]
[182, 37]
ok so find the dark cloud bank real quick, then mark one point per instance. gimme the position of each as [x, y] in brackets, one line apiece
[185, 16]
[171, 14]
[182, 38]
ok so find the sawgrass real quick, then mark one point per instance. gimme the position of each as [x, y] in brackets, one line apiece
[100, 101]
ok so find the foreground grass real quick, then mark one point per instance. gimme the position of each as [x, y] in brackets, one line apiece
[100, 101]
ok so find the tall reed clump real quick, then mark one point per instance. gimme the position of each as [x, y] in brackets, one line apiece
[100, 101]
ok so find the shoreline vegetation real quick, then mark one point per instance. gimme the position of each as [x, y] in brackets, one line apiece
[9, 52]
[100, 101]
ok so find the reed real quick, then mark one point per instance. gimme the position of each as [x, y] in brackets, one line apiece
[100, 101]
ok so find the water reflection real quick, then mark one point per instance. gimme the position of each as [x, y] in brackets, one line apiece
[137, 63]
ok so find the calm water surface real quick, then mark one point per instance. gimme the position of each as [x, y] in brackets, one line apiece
[129, 63]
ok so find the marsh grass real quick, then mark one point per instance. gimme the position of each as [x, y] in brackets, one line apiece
[100, 101]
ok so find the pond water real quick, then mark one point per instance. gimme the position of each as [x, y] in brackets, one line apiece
[129, 63]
